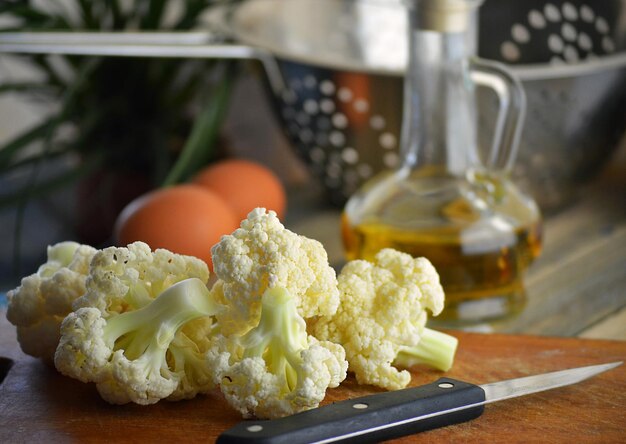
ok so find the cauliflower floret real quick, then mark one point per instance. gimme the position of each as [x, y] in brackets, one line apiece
[127, 278]
[139, 356]
[382, 316]
[263, 254]
[40, 303]
[276, 369]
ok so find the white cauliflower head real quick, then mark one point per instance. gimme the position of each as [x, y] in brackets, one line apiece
[127, 278]
[276, 369]
[44, 298]
[142, 355]
[263, 254]
[382, 317]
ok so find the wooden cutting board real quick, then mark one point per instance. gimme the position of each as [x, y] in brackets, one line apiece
[39, 405]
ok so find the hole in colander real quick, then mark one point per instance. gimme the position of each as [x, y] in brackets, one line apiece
[570, 54]
[555, 43]
[390, 160]
[306, 135]
[327, 106]
[327, 87]
[520, 33]
[387, 140]
[317, 155]
[584, 42]
[364, 170]
[350, 177]
[377, 122]
[310, 82]
[510, 51]
[587, 14]
[303, 119]
[569, 32]
[289, 97]
[569, 11]
[536, 19]
[608, 45]
[602, 26]
[340, 121]
[333, 170]
[345, 94]
[552, 13]
[337, 138]
[361, 105]
[350, 155]
[310, 106]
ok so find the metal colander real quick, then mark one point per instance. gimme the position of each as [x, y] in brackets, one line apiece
[335, 70]
[342, 63]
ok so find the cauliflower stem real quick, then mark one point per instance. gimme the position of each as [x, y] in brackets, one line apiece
[279, 337]
[151, 329]
[276, 368]
[435, 349]
[135, 356]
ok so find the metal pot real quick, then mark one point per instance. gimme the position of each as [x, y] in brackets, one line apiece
[335, 72]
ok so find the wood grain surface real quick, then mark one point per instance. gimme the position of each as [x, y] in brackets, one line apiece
[37, 404]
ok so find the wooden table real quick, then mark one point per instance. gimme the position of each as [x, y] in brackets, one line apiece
[577, 287]
[38, 404]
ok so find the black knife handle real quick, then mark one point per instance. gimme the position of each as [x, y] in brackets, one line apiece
[370, 418]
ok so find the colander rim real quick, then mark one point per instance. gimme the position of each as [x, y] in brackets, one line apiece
[524, 72]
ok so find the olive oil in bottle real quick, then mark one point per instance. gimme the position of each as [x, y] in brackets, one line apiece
[480, 255]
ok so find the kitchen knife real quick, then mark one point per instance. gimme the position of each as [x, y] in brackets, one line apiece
[398, 413]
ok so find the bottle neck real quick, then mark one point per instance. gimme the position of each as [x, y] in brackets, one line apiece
[439, 126]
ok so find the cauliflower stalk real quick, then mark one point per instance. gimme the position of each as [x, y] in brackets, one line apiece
[136, 355]
[276, 368]
[382, 316]
[37, 307]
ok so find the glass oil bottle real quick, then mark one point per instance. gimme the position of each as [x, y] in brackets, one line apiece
[449, 201]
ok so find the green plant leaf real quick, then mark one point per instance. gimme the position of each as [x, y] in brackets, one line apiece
[193, 9]
[116, 14]
[14, 146]
[199, 146]
[60, 150]
[28, 13]
[43, 62]
[152, 18]
[20, 87]
[53, 184]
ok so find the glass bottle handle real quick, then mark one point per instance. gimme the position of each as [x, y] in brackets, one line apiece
[511, 114]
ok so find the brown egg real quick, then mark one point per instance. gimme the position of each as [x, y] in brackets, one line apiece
[185, 219]
[244, 185]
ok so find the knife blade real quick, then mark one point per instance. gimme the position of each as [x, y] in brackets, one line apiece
[389, 415]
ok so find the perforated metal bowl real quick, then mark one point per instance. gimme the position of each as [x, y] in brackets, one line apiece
[343, 62]
[336, 68]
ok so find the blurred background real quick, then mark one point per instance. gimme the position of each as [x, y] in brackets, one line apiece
[80, 137]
